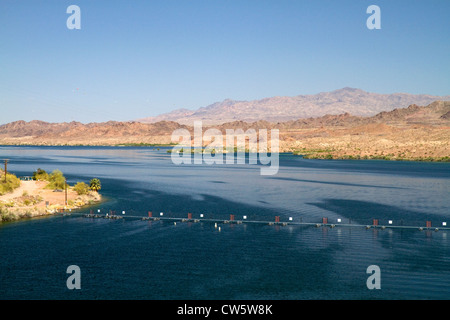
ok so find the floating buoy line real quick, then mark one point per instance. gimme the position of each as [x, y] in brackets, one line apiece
[275, 222]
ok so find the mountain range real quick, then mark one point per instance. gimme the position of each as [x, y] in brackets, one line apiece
[339, 124]
[354, 101]
[422, 129]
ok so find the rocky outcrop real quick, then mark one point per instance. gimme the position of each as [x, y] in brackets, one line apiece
[281, 109]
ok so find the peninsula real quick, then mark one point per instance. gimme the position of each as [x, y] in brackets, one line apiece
[32, 198]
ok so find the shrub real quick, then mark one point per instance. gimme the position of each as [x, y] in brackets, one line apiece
[81, 188]
[12, 182]
[40, 174]
[57, 180]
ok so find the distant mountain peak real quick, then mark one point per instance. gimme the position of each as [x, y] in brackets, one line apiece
[354, 101]
[349, 89]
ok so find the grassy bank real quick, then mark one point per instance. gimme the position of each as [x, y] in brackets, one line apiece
[11, 183]
[388, 157]
[142, 144]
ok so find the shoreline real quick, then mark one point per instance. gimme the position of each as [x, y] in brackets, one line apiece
[385, 158]
[32, 199]
[306, 153]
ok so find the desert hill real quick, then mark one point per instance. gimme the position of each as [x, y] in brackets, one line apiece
[416, 132]
[280, 109]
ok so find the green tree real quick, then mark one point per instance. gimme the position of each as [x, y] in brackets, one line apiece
[40, 174]
[57, 180]
[95, 184]
[81, 188]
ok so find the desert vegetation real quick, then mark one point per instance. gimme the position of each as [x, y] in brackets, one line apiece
[25, 199]
[9, 184]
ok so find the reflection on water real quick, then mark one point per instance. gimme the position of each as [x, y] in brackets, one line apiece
[159, 260]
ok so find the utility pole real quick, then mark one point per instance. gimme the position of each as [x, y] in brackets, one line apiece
[6, 168]
[65, 187]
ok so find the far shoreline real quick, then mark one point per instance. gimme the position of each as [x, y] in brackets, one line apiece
[305, 155]
[378, 158]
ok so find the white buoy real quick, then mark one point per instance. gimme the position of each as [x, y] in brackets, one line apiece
[290, 218]
[390, 221]
[219, 228]
[201, 215]
[444, 224]
[339, 220]
[161, 214]
[215, 225]
[245, 217]
[123, 212]
[175, 223]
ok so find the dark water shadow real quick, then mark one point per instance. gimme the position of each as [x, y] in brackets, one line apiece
[138, 200]
[334, 183]
[402, 168]
[363, 212]
[414, 250]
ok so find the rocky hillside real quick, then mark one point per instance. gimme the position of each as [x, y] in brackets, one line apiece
[75, 133]
[279, 109]
[416, 132]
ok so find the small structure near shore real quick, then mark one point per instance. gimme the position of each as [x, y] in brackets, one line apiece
[36, 197]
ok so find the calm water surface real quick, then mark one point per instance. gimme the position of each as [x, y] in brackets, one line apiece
[133, 259]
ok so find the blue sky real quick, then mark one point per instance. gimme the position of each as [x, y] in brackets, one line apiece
[133, 59]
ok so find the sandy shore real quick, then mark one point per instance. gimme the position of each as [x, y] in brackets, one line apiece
[33, 199]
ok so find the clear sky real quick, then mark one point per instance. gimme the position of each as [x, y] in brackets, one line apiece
[133, 59]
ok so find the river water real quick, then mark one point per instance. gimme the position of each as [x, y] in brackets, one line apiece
[134, 259]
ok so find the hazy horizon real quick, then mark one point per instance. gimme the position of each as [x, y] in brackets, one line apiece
[194, 109]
